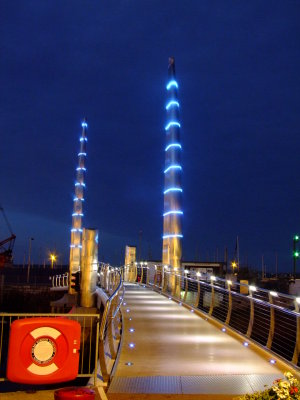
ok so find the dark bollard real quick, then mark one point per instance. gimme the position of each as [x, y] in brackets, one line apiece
[78, 393]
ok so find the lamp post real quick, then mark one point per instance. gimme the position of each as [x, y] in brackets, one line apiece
[53, 259]
[29, 261]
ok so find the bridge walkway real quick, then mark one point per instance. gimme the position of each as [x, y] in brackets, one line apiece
[176, 353]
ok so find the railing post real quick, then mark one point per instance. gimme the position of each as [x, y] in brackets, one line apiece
[142, 274]
[102, 361]
[110, 332]
[198, 290]
[185, 286]
[251, 319]
[229, 303]
[212, 298]
[272, 323]
[147, 276]
[297, 343]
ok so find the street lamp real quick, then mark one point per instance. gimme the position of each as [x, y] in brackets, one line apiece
[53, 259]
[234, 266]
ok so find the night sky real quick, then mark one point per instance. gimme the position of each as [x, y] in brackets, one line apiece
[237, 66]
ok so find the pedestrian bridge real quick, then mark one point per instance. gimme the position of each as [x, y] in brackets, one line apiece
[186, 336]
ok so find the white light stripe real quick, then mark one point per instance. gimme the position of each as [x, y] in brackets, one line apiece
[172, 123]
[173, 212]
[172, 236]
[173, 145]
[172, 167]
[171, 84]
[172, 103]
[172, 190]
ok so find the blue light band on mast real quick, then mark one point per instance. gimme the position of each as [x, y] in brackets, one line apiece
[80, 184]
[172, 103]
[173, 212]
[77, 215]
[78, 199]
[76, 230]
[173, 145]
[172, 123]
[82, 154]
[80, 169]
[172, 236]
[84, 124]
[83, 139]
[172, 167]
[172, 190]
[171, 84]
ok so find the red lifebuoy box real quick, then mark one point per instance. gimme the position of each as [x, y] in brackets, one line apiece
[78, 393]
[43, 350]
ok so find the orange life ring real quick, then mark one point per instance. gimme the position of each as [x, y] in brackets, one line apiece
[43, 350]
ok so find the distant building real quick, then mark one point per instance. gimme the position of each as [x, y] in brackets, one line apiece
[205, 268]
[208, 268]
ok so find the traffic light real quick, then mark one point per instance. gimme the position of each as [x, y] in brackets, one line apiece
[75, 281]
[296, 253]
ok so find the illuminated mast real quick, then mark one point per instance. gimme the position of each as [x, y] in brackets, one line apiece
[76, 231]
[172, 232]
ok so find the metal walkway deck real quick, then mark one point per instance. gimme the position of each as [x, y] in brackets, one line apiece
[169, 351]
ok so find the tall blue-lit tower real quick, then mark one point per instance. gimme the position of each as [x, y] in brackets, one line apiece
[76, 230]
[172, 229]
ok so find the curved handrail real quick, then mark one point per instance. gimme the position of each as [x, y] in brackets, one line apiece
[108, 341]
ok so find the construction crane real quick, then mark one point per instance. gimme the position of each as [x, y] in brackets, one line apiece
[6, 245]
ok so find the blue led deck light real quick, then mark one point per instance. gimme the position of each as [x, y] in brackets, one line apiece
[171, 84]
[172, 167]
[172, 212]
[173, 145]
[172, 103]
[173, 189]
[172, 123]
[176, 235]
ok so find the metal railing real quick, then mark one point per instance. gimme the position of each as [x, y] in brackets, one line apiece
[268, 318]
[100, 332]
[60, 281]
[111, 321]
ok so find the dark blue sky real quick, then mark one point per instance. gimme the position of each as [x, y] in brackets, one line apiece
[237, 66]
